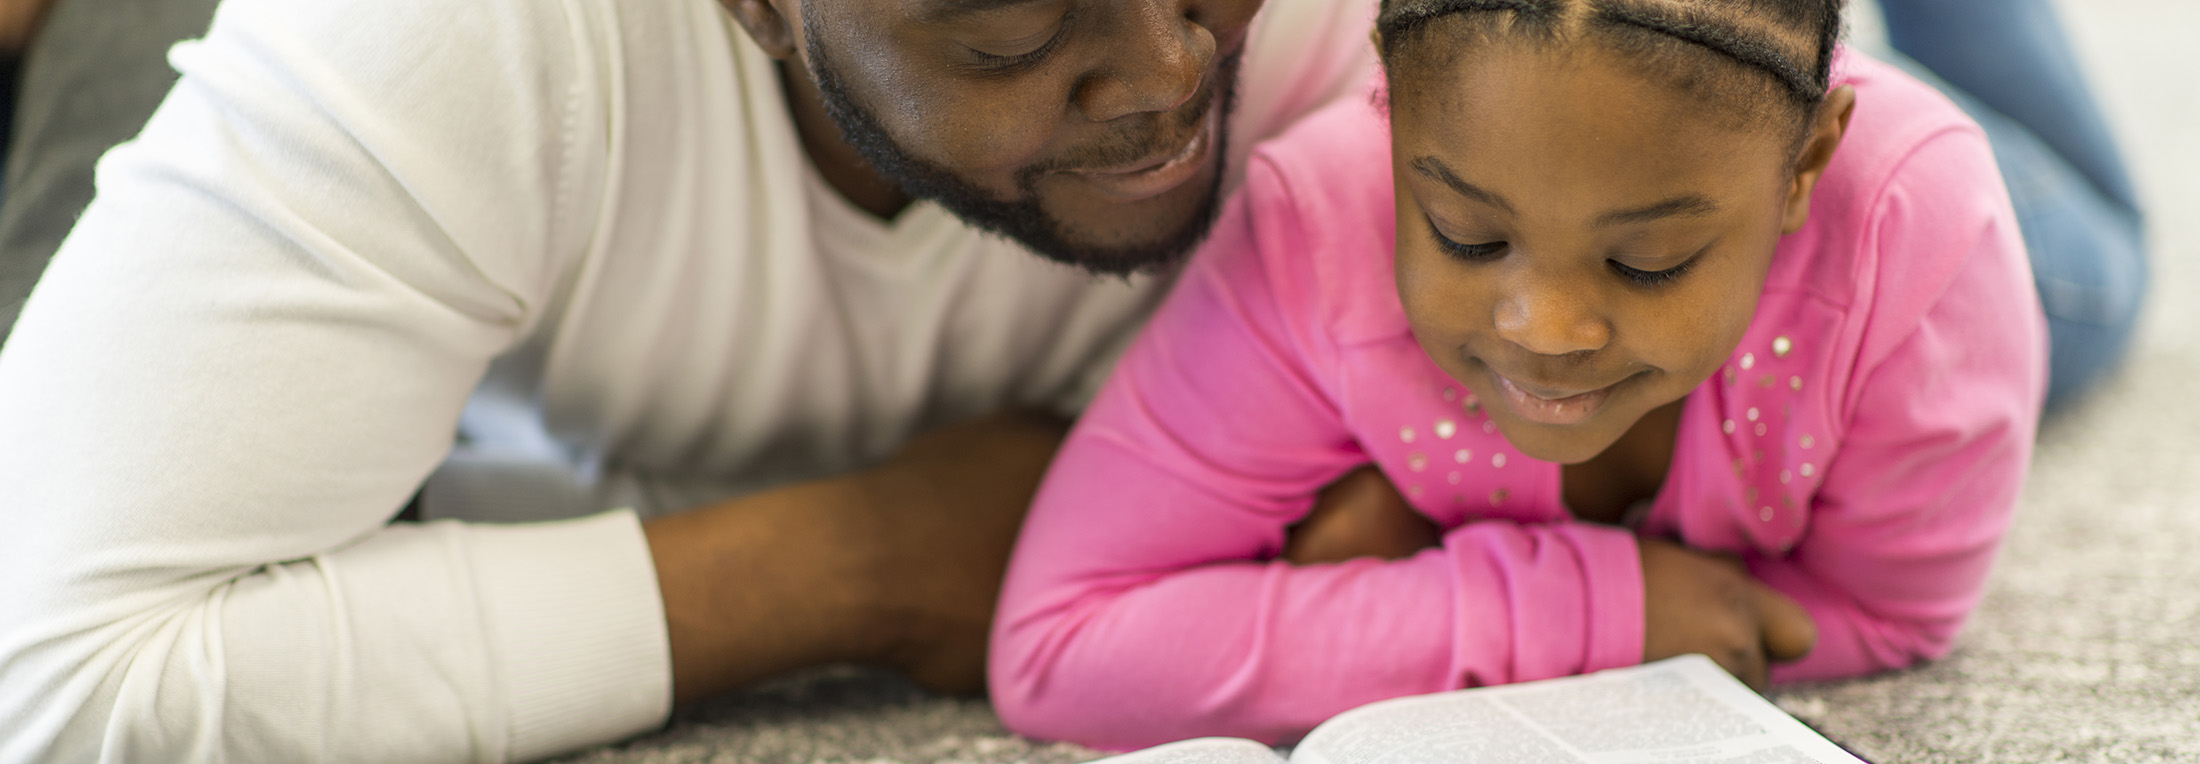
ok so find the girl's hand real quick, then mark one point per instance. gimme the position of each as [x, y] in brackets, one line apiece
[1693, 602]
[1360, 515]
[1698, 602]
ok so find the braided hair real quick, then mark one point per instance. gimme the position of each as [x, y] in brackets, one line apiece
[1752, 53]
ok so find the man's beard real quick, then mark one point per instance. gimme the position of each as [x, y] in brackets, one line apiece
[1026, 221]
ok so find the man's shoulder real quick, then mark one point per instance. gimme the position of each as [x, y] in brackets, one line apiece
[435, 45]
[1317, 27]
[402, 31]
[1301, 57]
[503, 131]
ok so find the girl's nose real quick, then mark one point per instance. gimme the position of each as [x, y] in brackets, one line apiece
[1549, 317]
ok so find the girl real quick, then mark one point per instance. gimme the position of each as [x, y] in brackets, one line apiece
[1628, 289]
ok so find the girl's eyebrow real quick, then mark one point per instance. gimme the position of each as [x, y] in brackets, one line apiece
[1685, 205]
[1435, 169]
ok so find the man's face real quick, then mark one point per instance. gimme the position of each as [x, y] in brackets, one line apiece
[1092, 131]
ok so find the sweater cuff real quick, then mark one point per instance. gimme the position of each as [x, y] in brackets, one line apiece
[1612, 572]
[577, 631]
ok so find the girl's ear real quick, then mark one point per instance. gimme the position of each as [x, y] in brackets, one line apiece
[1826, 131]
[766, 25]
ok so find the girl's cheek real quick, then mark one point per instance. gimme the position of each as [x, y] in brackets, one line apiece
[1437, 317]
[1456, 301]
[1412, 285]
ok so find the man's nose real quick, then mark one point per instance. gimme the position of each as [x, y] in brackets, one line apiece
[1163, 56]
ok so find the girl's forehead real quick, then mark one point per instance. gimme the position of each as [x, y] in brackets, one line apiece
[1577, 122]
[1582, 86]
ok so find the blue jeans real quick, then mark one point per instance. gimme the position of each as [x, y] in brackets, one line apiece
[2008, 64]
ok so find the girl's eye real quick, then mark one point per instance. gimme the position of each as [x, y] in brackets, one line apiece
[1652, 278]
[1473, 253]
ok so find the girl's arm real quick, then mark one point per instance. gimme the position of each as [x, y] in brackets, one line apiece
[1144, 603]
[1940, 425]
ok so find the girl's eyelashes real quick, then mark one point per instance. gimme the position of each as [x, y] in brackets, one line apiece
[1653, 278]
[1481, 253]
[1473, 253]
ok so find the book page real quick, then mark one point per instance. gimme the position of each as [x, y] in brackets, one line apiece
[1206, 750]
[1683, 710]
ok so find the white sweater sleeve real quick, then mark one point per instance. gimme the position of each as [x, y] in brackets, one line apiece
[245, 359]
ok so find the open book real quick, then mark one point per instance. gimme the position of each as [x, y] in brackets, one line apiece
[1683, 710]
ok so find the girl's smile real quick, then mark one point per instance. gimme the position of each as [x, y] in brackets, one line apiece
[1544, 405]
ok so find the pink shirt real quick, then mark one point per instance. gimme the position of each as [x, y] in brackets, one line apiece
[1863, 450]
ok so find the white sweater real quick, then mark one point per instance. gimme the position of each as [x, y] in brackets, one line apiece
[348, 215]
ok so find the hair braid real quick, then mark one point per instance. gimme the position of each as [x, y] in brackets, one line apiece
[1746, 33]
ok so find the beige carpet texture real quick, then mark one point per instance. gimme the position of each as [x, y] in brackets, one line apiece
[2086, 649]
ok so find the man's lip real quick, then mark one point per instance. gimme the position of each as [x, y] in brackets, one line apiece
[1142, 165]
[1153, 176]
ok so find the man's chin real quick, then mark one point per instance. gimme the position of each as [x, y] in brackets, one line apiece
[1146, 245]
[1127, 258]
[1114, 237]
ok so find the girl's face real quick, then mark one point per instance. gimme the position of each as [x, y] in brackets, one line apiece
[1578, 244]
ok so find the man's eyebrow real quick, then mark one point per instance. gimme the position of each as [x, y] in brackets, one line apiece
[942, 11]
[1689, 205]
[1435, 169]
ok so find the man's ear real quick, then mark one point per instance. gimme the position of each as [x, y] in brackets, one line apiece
[1826, 131]
[773, 31]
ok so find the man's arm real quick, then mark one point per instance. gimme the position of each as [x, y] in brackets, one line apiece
[244, 361]
[897, 565]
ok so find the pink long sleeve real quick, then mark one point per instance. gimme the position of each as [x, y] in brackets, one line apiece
[1142, 606]
[1940, 421]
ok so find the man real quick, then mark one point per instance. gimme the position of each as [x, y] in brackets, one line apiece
[709, 254]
